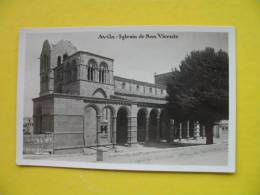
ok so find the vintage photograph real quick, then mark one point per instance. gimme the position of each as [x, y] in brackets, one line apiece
[151, 98]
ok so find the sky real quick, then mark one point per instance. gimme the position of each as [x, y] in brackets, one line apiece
[137, 59]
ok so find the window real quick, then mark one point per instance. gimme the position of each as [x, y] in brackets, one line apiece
[59, 61]
[123, 85]
[161, 91]
[151, 89]
[89, 73]
[137, 87]
[65, 57]
[92, 65]
[103, 78]
[103, 70]
[74, 63]
[100, 75]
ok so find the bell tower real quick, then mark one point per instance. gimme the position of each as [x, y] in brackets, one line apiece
[46, 79]
[52, 55]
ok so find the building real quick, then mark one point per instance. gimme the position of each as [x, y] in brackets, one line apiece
[220, 128]
[83, 104]
[28, 125]
[162, 79]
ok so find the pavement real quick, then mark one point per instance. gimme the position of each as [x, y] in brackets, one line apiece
[184, 152]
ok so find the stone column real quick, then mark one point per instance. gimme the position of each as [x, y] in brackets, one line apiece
[134, 129]
[98, 128]
[175, 130]
[180, 132]
[129, 131]
[79, 70]
[147, 129]
[188, 129]
[132, 132]
[220, 131]
[171, 130]
[114, 132]
[203, 131]
[196, 129]
[86, 75]
[158, 128]
[110, 72]
[107, 76]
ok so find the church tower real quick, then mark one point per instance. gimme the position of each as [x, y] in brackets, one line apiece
[52, 55]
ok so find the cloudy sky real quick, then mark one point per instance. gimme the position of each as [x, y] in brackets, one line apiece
[137, 58]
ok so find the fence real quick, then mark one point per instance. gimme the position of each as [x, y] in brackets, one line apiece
[38, 143]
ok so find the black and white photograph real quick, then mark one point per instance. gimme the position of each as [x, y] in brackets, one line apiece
[147, 98]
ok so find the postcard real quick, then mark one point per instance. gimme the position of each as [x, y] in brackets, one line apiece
[146, 98]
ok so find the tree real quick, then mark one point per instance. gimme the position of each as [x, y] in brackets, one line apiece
[198, 91]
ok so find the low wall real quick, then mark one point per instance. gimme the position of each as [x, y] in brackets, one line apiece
[38, 143]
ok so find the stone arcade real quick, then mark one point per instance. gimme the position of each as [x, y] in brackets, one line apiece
[83, 104]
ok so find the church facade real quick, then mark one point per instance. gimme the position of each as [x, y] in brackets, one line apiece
[83, 104]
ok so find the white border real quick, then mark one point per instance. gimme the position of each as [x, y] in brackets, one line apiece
[230, 168]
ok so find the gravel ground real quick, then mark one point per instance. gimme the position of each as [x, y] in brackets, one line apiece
[185, 152]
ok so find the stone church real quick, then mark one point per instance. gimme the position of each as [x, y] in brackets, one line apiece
[83, 104]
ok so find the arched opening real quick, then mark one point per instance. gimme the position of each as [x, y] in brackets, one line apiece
[122, 126]
[164, 125]
[100, 75]
[100, 93]
[141, 125]
[103, 72]
[107, 122]
[92, 65]
[89, 73]
[90, 126]
[123, 85]
[153, 124]
[65, 56]
[192, 129]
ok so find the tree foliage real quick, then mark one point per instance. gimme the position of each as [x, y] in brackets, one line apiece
[199, 89]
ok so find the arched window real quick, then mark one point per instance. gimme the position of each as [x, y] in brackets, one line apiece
[123, 85]
[65, 57]
[103, 70]
[100, 75]
[92, 65]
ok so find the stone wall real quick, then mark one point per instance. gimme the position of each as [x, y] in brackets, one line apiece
[43, 109]
[162, 79]
[49, 60]
[130, 86]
